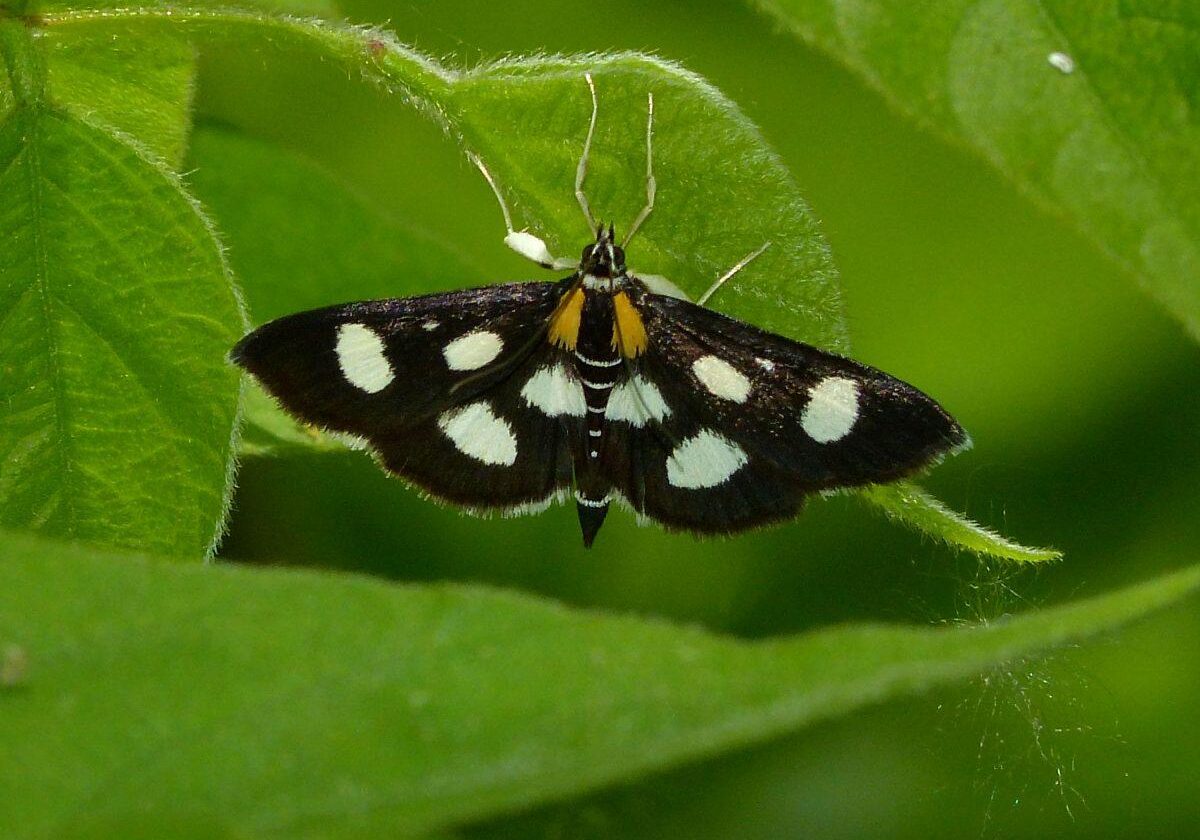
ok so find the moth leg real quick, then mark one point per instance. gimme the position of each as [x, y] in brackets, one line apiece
[660, 285]
[651, 184]
[581, 169]
[745, 261]
[523, 242]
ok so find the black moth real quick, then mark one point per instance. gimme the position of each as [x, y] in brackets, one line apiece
[505, 398]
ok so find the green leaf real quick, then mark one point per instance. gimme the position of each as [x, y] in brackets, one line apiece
[136, 86]
[299, 238]
[116, 9]
[909, 504]
[1089, 108]
[117, 311]
[279, 703]
[527, 118]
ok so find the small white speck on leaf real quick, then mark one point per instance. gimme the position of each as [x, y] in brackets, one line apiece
[1062, 62]
[14, 662]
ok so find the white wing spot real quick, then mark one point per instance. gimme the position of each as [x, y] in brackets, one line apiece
[637, 402]
[704, 460]
[430, 326]
[480, 434]
[473, 350]
[721, 378]
[765, 364]
[360, 355]
[832, 409]
[554, 391]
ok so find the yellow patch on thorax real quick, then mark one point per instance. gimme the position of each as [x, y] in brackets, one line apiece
[564, 323]
[629, 333]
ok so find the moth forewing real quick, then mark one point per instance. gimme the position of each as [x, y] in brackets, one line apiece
[442, 387]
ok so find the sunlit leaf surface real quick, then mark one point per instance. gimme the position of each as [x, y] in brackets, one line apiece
[275, 703]
[1088, 107]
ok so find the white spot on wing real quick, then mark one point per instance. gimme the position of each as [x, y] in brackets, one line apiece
[637, 402]
[1062, 62]
[473, 350]
[529, 246]
[430, 326]
[704, 460]
[360, 355]
[765, 364]
[479, 433]
[721, 378]
[832, 409]
[555, 392]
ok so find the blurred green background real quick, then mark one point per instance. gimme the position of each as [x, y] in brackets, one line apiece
[1082, 396]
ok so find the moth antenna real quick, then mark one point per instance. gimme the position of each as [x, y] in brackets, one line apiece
[526, 244]
[745, 261]
[651, 184]
[487, 176]
[581, 169]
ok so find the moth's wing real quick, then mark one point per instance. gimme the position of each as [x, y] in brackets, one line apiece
[669, 462]
[752, 422]
[433, 385]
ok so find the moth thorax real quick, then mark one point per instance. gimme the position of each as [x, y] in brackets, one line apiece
[599, 283]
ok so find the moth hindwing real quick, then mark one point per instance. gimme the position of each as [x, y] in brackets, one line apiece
[506, 397]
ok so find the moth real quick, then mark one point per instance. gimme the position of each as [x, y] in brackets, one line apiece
[509, 397]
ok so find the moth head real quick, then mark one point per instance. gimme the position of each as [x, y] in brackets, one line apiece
[603, 258]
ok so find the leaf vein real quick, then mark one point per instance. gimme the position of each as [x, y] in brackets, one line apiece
[35, 179]
[137, 377]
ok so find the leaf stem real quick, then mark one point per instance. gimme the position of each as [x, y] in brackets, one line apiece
[26, 68]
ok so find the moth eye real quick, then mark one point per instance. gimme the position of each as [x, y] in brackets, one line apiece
[618, 256]
[587, 252]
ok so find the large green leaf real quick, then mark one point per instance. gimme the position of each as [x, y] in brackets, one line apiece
[1089, 107]
[117, 310]
[527, 118]
[277, 703]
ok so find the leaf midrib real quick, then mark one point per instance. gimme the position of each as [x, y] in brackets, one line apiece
[65, 448]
